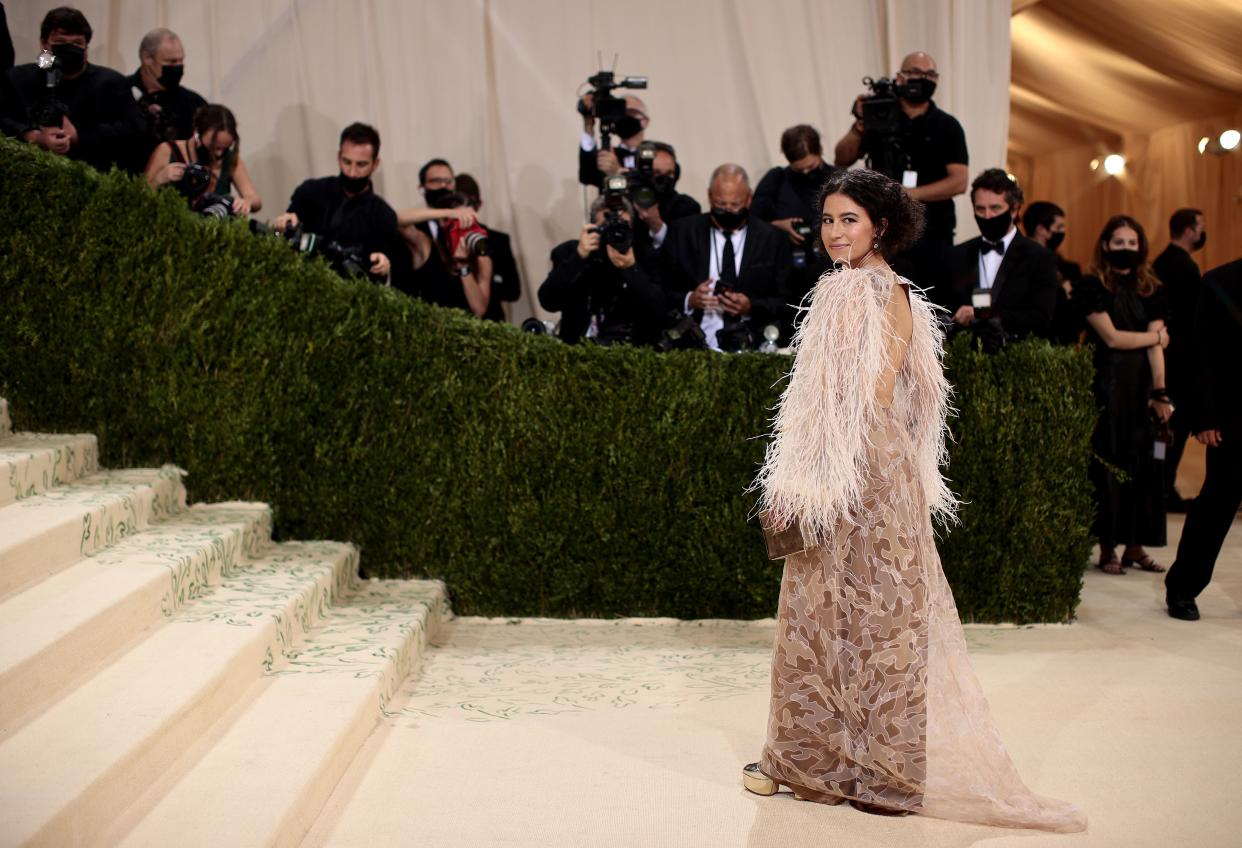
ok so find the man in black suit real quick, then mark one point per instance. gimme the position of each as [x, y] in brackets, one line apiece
[657, 167]
[1215, 407]
[1043, 222]
[595, 164]
[1001, 276]
[1179, 273]
[726, 269]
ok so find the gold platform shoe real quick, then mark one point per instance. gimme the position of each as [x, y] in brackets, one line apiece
[757, 782]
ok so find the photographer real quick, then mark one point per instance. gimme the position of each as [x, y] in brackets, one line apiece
[215, 147]
[926, 153]
[167, 106]
[786, 196]
[653, 191]
[595, 164]
[1001, 278]
[506, 284]
[604, 284]
[726, 270]
[346, 209]
[69, 106]
[450, 254]
[1044, 223]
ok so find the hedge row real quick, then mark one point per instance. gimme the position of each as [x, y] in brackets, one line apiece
[536, 478]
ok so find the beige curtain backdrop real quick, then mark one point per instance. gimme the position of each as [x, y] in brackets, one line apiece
[490, 84]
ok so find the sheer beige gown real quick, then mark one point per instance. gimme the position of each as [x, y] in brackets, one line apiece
[873, 694]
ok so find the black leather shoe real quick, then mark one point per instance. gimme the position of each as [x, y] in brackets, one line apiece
[1184, 610]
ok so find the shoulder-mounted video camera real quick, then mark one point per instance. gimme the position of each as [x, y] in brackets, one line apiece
[606, 107]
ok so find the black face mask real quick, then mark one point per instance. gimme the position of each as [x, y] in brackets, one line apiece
[436, 196]
[1055, 240]
[628, 127]
[665, 184]
[1122, 260]
[355, 185]
[994, 229]
[170, 76]
[730, 221]
[1201, 240]
[918, 90]
[70, 57]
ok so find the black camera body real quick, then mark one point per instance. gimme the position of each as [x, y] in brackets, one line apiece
[614, 230]
[193, 187]
[606, 107]
[348, 260]
[881, 116]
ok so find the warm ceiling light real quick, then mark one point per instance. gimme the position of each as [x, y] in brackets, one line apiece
[1229, 139]
[1203, 143]
[1114, 164]
[1095, 164]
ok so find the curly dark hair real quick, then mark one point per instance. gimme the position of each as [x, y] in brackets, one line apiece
[885, 202]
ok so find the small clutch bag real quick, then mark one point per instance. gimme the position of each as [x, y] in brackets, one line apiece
[782, 542]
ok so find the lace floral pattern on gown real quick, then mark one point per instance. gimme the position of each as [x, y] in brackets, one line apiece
[873, 694]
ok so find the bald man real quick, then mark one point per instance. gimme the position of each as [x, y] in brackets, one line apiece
[726, 269]
[933, 165]
[168, 105]
[595, 164]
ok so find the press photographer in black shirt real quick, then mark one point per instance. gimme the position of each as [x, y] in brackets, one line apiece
[89, 114]
[346, 209]
[166, 104]
[605, 284]
[936, 162]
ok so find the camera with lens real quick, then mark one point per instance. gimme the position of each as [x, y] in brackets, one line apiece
[684, 334]
[348, 260]
[193, 187]
[881, 117]
[615, 231]
[161, 121]
[606, 107]
[474, 237]
[641, 181]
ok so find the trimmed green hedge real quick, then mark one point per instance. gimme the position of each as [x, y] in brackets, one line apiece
[534, 477]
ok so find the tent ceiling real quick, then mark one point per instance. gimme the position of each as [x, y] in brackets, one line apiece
[1090, 71]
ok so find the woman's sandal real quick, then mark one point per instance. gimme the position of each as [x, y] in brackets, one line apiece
[760, 784]
[1145, 563]
[1112, 565]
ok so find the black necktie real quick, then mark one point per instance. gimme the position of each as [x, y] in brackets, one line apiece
[728, 265]
[989, 246]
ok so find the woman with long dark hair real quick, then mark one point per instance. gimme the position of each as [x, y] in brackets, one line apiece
[216, 146]
[1125, 308]
[874, 700]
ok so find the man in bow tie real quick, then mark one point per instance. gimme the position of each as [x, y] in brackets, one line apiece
[1001, 276]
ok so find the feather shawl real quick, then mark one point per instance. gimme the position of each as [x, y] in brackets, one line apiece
[815, 471]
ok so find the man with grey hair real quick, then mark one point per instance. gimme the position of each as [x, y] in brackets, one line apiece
[726, 270]
[168, 106]
[604, 285]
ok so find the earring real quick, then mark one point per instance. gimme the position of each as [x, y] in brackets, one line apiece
[876, 246]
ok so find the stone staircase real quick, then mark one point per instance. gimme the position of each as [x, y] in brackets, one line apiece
[168, 674]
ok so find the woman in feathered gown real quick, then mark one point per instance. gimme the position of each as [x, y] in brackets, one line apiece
[874, 700]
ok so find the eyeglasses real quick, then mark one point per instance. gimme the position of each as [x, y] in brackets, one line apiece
[919, 73]
[439, 181]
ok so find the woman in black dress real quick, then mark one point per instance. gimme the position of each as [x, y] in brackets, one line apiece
[1125, 310]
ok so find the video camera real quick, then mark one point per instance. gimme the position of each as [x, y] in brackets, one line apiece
[881, 117]
[615, 231]
[606, 108]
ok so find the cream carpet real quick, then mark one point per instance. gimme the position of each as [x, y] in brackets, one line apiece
[633, 732]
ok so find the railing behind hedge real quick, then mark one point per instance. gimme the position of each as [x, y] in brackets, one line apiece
[536, 478]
